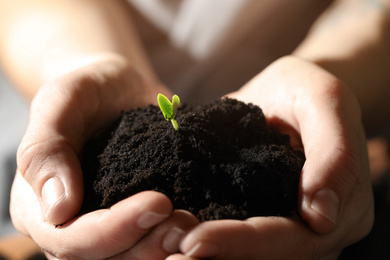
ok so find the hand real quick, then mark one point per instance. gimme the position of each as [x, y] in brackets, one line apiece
[335, 198]
[48, 187]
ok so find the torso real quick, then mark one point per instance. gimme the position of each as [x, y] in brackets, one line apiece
[210, 48]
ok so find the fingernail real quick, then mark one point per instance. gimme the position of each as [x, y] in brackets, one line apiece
[53, 191]
[204, 250]
[172, 240]
[150, 219]
[326, 203]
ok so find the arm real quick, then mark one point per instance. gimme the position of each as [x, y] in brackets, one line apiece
[42, 40]
[351, 41]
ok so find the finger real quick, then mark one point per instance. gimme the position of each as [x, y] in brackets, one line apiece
[49, 256]
[64, 114]
[120, 227]
[180, 257]
[163, 240]
[336, 157]
[96, 235]
[256, 238]
[332, 172]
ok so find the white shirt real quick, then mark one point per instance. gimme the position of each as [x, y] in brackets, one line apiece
[215, 46]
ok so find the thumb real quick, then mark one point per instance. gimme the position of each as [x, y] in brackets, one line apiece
[53, 171]
[336, 158]
[64, 113]
[48, 155]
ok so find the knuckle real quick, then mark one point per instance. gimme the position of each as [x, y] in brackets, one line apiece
[307, 250]
[353, 170]
[336, 93]
[62, 250]
[36, 160]
[30, 159]
[62, 256]
[365, 224]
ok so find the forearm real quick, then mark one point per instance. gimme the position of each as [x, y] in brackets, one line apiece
[45, 39]
[351, 41]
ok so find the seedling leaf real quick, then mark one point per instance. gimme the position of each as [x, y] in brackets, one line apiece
[175, 105]
[169, 108]
[165, 106]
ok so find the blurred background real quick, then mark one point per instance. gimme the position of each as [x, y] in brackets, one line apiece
[13, 121]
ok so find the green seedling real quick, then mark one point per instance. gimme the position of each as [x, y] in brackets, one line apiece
[169, 108]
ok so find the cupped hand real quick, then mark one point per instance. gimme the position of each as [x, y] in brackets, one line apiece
[322, 117]
[48, 188]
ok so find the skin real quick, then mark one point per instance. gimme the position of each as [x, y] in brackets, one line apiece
[80, 84]
[356, 52]
[338, 167]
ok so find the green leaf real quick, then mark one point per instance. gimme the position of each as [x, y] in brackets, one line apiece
[169, 109]
[175, 124]
[175, 105]
[165, 106]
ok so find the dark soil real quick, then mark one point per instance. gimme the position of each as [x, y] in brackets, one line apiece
[222, 163]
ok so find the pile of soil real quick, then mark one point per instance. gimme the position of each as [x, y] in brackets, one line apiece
[223, 163]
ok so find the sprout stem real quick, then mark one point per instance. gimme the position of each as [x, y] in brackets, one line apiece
[175, 124]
